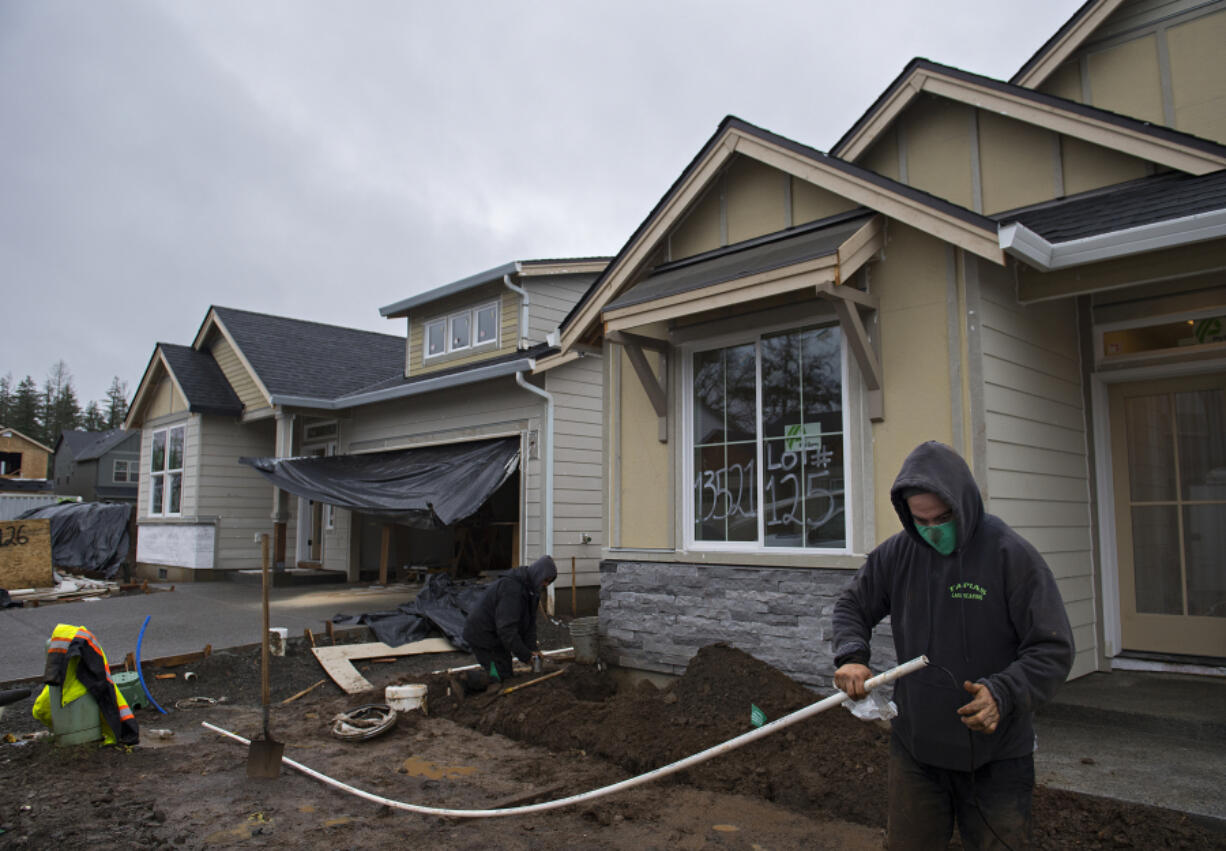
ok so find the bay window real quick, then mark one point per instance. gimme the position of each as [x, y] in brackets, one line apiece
[166, 471]
[766, 443]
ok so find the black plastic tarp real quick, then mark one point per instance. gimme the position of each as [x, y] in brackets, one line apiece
[441, 606]
[87, 536]
[428, 488]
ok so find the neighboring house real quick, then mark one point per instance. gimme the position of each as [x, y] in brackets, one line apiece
[1035, 280]
[466, 371]
[98, 465]
[22, 457]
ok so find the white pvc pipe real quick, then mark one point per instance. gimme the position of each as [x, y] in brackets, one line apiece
[743, 739]
[474, 666]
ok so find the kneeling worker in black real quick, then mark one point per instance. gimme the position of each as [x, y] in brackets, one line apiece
[503, 623]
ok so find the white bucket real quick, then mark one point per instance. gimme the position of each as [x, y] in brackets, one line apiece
[585, 637]
[406, 698]
[277, 636]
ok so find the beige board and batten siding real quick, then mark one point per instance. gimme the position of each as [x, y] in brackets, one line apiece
[640, 467]
[551, 299]
[236, 494]
[750, 199]
[508, 328]
[163, 401]
[238, 376]
[1122, 68]
[937, 138]
[498, 407]
[1038, 477]
[911, 284]
[578, 467]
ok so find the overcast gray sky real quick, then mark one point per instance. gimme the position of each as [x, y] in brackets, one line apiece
[321, 159]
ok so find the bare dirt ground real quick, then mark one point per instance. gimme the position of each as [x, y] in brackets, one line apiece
[819, 784]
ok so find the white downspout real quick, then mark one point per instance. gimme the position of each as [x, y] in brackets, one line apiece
[547, 508]
[524, 301]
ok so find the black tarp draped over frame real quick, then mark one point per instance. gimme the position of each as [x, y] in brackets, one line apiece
[427, 488]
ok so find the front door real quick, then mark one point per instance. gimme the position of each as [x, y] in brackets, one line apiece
[1168, 450]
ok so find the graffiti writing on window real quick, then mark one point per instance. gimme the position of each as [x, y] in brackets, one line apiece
[795, 477]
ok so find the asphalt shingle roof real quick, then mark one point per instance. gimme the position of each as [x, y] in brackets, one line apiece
[1153, 199]
[749, 258]
[293, 357]
[102, 443]
[202, 380]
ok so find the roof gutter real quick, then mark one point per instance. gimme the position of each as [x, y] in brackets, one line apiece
[402, 391]
[547, 507]
[524, 301]
[1021, 242]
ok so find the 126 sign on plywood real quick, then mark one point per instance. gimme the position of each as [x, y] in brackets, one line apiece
[25, 554]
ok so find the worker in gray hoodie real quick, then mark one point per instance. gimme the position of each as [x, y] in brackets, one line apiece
[503, 623]
[963, 588]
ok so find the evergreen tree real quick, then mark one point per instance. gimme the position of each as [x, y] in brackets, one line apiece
[61, 410]
[93, 420]
[116, 403]
[6, 398]
[25, 410]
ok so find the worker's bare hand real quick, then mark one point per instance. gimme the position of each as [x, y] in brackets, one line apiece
[982, 714]
[850, 680]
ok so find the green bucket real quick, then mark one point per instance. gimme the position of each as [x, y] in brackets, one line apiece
[129, 685]
[78, 723]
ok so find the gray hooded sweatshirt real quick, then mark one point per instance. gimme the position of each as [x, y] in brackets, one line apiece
[988, 612]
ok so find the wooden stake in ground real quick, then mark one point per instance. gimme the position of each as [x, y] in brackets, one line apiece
[574, 607]
[303, 693]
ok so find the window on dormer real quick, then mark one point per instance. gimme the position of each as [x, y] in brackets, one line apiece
[460, 331]
[466, 329]
[487, 324]
[436, 337]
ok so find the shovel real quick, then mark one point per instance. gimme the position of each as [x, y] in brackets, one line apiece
[264, 756]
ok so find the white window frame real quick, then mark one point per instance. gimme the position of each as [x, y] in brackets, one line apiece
[131, 471]
[687, 447]
[471, 315]
[164, 475]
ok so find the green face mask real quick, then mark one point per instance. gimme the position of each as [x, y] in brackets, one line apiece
[942, 538]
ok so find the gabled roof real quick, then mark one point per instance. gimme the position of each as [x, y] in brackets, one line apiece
[1141, 139]
[294, 357]
[7, 431]
[957, 225]
[520, 268]
[1162, 211]
[1064, 42]
[91, 445]
[76, 441]
[199, 379]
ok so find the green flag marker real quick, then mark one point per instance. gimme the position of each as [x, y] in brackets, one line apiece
[756, 716]
[494, 673]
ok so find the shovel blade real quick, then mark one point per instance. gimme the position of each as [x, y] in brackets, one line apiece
[264, 759]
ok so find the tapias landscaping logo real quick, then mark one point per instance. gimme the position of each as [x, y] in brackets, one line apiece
[967, 591]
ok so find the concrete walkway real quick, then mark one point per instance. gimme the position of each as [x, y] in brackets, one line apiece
[223, 614]
[1145, 737]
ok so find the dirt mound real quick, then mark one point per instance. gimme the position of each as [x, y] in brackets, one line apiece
[832, 765]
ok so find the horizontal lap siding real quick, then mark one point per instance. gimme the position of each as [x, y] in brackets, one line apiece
[239, 496]
[1034, 421]
[551, 298]
[578, 509]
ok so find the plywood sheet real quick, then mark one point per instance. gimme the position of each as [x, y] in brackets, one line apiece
[25, 554]
[338, 661]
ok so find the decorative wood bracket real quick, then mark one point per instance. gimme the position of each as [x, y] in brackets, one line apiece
[655, 387]
[848, 302]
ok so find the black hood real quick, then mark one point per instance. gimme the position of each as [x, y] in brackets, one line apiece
[936, 468]
[532, 575]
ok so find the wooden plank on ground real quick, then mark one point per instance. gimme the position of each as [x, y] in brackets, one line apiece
[338, 661]
[25, 554]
